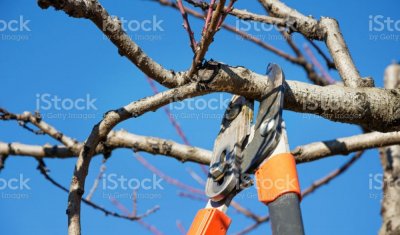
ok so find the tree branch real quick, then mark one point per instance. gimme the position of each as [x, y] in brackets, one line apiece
[44, 171]
[327, 29]
[241, 14]
[346, 145]
[308, 68]
[329, 177]
[99, 134]
[186, 25]
[36, 120]
[122, 139]
[207, 38]
[360, 106]
[316, 63]
[390, 160]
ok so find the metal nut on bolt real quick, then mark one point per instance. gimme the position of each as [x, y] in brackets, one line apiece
[218, 171]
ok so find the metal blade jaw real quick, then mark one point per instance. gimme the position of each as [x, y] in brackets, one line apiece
[235, 155]
[224, 170]
[268, 127]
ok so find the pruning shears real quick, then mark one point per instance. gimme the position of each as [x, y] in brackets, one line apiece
[241, 150]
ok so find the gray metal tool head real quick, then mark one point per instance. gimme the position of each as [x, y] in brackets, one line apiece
[224, 170]
[235, 155]
[267, 129]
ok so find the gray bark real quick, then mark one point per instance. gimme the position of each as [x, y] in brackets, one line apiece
[390, 159]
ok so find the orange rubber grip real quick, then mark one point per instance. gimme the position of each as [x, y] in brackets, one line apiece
[276, 177]
[210, 221]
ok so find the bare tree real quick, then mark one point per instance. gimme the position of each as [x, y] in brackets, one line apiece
[355, 101]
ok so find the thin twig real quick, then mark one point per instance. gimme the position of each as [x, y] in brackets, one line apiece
[196, 177]
[316, 63]
[174, 122]
[180, 227]
[329, 62]
[245, 211]
[226, 12]
[44, 171]
[96, 182]
[208, 17]
[312, 75]
[186, 25]
[149, 227]
[206, 39]
[134, 200]
[325, 180]
[167, 178]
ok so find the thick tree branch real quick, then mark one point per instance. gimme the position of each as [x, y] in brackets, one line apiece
[36, 120]
[356, 106]
[366, 109]
[390, 159]
[115, 139]
[123, 139]
[346, 145]
[154, 145]
[372, 108]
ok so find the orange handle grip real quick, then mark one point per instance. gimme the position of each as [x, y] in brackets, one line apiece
[210, 221]
[276, 177]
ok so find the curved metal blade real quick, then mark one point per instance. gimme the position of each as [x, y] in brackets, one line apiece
[224, 172]
[267, 130]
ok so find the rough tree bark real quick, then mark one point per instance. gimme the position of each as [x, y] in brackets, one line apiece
[390, 158]
[357, 102]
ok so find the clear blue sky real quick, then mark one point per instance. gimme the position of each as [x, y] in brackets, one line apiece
[52, 54]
